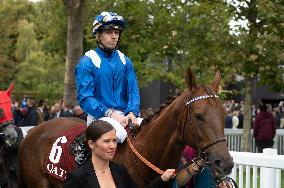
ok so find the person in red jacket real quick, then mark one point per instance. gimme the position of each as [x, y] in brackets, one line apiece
[264, 129]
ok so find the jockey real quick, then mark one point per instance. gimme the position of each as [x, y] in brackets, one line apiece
[107, 87]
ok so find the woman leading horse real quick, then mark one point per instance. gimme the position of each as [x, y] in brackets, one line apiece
[195, 118]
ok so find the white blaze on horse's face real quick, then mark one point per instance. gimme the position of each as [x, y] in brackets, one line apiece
[11, 135]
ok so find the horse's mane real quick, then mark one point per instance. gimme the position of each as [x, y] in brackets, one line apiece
[152, 113]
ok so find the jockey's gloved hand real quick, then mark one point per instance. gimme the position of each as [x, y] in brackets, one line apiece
[132, 117]
[123, 120]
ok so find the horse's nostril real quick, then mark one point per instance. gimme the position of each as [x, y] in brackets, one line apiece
[223, 166]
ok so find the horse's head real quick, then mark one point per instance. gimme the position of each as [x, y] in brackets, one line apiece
[205, 120]
[8, 133]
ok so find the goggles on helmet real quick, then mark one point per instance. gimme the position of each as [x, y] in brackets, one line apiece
[108, 20]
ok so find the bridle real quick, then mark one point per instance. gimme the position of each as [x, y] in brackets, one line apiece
[202, 152]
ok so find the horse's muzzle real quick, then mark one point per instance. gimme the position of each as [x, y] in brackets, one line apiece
[223, 166]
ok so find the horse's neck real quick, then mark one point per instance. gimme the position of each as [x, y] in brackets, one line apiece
[161, 137]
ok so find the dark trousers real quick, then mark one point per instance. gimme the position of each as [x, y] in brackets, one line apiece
[261, 144]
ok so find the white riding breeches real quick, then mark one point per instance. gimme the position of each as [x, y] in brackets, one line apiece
[120, 131]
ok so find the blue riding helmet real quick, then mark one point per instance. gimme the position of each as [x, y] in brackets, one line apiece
[108, 20]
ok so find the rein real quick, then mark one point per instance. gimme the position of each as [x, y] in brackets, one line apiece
[145, 161]
[201, 153]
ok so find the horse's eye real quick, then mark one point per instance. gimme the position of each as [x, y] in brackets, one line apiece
[200, 117]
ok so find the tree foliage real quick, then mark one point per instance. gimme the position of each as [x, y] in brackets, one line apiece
[162, 37]
[260, 52]
[38, 41]
[10, 14]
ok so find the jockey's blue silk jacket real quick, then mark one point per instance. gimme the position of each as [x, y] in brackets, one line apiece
[106, 82]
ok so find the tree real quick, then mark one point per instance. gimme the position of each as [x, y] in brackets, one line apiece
[10, 13]
[33, 47]
[192, 35]
[162, 38]
[33, 73]
[75, 12]
[260, 54]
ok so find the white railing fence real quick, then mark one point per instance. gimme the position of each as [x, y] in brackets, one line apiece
[266, 169]
[234, 140]
[26, 129]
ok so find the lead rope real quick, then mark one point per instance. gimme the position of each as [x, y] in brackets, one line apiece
[145, 161]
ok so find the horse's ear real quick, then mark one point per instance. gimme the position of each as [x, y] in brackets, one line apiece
[9, 90]
[216, 82]
[189, 79]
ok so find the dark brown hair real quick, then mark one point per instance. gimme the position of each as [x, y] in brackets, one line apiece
[97, 129]
[263, 108]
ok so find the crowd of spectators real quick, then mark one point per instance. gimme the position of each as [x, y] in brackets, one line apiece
[235, 113]
[27, 113]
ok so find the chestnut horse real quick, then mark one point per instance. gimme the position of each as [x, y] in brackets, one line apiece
[194, 118]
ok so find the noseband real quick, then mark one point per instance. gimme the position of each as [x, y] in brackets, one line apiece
[202, 152]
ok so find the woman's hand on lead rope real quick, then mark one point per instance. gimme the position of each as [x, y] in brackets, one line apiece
[168, 174]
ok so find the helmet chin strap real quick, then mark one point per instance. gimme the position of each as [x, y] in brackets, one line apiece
[106, 49]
